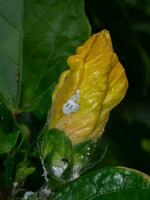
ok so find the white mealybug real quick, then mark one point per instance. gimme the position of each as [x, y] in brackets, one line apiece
[71, 105]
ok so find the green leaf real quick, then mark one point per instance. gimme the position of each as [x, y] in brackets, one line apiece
[22, 172]
[41, 104]
[11, 13]
[8, 141]
[111, 183]
[53, 29]
[36, 37]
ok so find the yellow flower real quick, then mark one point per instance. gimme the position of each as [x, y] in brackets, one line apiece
[86, 93]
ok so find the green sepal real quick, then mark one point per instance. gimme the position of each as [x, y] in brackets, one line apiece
[82, 154]
[56, 152]
[60, 158]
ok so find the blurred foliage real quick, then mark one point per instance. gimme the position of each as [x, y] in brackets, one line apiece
[36, 37]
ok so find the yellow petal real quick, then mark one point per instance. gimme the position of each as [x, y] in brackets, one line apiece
[97, 74]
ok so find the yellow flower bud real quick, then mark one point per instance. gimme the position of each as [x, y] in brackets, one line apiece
[86, 93]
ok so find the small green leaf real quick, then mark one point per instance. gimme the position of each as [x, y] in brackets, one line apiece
[8, 141]
[22, 172]
[111, 183]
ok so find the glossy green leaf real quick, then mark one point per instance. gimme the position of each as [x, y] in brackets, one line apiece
[53, 29]
[41, 104]
[8, 141]
[36, 37]
[111, 183]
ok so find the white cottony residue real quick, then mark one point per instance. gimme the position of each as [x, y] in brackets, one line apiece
[76, 172]
[58, 170]
[45, 173]
[118, 179]
[27, 195]
[44, 193]
[71, 105]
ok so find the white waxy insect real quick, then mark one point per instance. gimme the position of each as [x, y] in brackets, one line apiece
[71, 105]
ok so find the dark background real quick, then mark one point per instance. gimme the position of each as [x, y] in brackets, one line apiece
[126, 139]
[127, 135]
